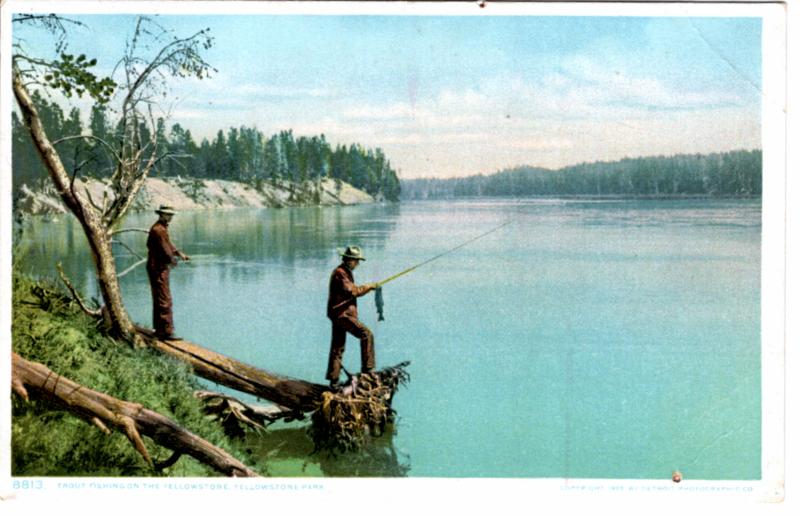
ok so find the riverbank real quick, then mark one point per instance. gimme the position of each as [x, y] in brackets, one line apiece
[202, 194]
[47, 441]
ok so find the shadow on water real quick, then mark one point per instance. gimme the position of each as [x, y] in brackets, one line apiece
[290, 452]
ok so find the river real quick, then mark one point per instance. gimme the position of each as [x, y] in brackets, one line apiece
[585, 339]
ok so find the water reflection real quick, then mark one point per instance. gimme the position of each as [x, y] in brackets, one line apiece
[242, 241]
[290, 452]
[286, 235]
[43, 244]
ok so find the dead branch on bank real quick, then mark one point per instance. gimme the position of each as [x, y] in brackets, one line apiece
[132, 419]
[236, 416]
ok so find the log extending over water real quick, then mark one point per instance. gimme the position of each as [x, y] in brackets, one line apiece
[290, 393]
[132, 419]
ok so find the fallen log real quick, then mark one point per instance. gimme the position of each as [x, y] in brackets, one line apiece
[342, 419]
[287, 392]
[132, 419]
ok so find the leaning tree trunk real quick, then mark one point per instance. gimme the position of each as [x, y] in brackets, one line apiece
[100, 244]
[297, 395]
[130, 418]
[97, 232]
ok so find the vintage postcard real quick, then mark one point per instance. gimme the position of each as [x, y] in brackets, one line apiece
[494, 254]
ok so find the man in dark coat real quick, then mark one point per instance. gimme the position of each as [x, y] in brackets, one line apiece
[343, 313]
[161, 255]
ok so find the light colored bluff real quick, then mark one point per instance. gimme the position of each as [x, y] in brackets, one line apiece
[202, 194]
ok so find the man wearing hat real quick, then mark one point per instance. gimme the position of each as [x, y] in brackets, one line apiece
[343, 313]
[161, 255]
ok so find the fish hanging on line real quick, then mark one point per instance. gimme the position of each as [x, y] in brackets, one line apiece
[379, 302]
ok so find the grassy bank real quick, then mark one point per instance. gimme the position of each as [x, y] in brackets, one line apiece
[49, 441]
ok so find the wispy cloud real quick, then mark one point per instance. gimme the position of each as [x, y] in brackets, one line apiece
[603, 85]
[396, 111]
[225, 92]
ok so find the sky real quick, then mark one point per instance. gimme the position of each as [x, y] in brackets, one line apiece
[448, 96]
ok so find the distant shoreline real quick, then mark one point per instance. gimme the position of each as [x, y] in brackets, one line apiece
[600, 197]
[733, 174]
[189, 194]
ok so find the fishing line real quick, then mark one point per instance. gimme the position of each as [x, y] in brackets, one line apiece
[515, 211]
[456, 248]
[378, 290]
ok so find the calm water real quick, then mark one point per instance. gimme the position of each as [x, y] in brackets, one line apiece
[584, 340]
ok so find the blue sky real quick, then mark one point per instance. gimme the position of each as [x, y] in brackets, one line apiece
[453, 95]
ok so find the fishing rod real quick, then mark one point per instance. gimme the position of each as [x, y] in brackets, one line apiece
[429, 260]
[378, 285]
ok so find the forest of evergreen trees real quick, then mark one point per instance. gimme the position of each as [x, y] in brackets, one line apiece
[243, 154]
[736, 173]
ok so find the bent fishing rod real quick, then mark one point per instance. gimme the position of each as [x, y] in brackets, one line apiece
[378, 285]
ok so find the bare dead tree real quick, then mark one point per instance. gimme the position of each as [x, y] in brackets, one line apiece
[152, 58]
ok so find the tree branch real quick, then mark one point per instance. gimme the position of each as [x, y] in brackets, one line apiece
[81, 208]
[126, 246]
[157, 61]
[159, 466]
[129, 269]
[91, 201]
[223, 407]
[117, 232]
[90, 137]
[94, 313]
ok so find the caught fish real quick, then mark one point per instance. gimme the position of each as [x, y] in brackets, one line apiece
[379, 302]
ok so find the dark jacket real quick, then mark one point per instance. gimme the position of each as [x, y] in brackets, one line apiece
[343, 292]
[160, 251]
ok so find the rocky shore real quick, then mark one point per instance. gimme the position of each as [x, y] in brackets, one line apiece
[202, 194]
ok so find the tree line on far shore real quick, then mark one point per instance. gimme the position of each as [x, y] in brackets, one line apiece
[728, 174]
[242, 154]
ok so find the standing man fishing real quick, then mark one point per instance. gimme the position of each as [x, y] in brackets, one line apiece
[343, 309]
[343, 313]
[161, 255]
